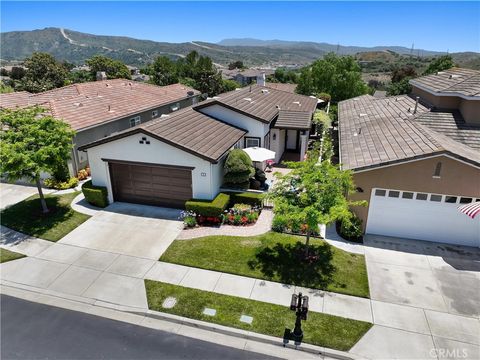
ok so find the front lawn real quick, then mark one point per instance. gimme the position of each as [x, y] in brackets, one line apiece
[320, 329]
[277, 257]
[27, 217]
[7, 255]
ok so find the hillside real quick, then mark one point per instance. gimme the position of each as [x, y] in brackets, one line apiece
[75, 47]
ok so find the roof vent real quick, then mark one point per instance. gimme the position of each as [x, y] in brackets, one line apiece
[454, 76]
[190, 93]
[362, 114]
[77, 104]
[248, 99]
[216, 97]
[278, 107]
[265, 91]
[297, 103]
[163, 116]
[110, 108]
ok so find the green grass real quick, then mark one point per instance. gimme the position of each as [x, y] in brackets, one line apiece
[7, 255]
[277, 257]
[27, 217]
[319, 329]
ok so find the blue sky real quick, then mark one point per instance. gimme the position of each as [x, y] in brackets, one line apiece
[441, 26]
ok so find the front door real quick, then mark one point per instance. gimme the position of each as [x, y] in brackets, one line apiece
[292, 137]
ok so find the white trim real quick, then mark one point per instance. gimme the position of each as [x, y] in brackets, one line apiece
[413, 160]
[433, 92]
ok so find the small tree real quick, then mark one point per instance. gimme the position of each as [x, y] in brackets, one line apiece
[32, 143]
[314, 193]
[238, 169]
[114, 69]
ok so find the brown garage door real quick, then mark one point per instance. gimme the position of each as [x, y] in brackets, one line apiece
[151, 184]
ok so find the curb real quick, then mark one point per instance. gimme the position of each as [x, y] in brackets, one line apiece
[126, 310]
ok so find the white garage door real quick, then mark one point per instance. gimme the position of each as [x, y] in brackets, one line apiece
[423, 216]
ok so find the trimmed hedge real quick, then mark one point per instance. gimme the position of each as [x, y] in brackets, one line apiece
[95, 195]
[250, 198]
[214, 207]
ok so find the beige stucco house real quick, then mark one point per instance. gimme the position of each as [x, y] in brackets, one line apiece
[416, 158]
[100, 108]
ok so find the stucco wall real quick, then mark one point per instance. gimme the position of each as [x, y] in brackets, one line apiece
[440, 102]
[470, 110]
[456, 178]
[204, 174]
[254, 127]
[98, 132]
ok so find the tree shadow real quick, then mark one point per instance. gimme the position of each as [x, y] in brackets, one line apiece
[289, 264]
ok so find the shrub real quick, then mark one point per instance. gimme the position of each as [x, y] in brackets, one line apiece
[61, 173]
[209, 208]
[350, 228]
[241, 209]
[52, 183]
[190, 221]
[279, 223]
[95, 195]
[254, 199]
[238, 169]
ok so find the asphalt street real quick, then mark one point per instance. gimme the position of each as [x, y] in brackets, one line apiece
[36, 331]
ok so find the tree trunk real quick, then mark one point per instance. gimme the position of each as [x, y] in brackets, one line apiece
[307, 244]
[42, 197]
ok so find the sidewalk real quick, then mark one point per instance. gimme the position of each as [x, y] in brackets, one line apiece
[99, 277]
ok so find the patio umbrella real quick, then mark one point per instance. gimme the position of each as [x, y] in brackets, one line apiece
[259, 154]
[472, 209]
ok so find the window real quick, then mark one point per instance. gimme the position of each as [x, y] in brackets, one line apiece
[266, 141]
[175, 107]
[135, 121]
[451, 199]
[252, 141]
[436, 198]
[380, 192]
[438, 170]
[407, 195]
[422, 196]
[465, 200]
[238, 145]
[154, 113]
[394, 194]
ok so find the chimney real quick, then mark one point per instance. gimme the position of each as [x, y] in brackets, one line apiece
[101, 75]
[416, 104]
[261, 79]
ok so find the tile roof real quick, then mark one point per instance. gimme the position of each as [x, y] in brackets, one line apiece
[262, 103]
[88, 104]
[290, 119]
[464, 82]
[452, 125]
[189, 130]
[376, 132]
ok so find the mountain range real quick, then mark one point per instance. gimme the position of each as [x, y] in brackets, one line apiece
[75, 47]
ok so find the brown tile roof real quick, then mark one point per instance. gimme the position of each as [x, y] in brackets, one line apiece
[189, 130]
[262, 103]
[452, 125]
[290, 119]
[458, 81]
[88, 104]
[376, 132]
[280, 86]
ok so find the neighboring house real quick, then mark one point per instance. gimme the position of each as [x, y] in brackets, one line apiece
[417, 158]
[180, 156]
[281, 86]
[100, 108]
[246, 76]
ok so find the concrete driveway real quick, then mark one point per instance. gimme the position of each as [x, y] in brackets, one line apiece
[128, 229]
[432, 276]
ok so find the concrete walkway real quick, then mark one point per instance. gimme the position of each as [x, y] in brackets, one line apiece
[263, 225]
[81, 205]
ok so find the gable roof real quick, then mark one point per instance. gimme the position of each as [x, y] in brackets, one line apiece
[261, 102]
[291, 119]
[89, 104]
[453, 82]
[375, 132]
[187, 129]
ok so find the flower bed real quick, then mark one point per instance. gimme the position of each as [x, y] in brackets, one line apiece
[282, 224]
[238, 215]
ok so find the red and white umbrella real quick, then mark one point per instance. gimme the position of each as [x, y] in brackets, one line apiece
[472, 209]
